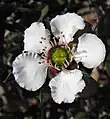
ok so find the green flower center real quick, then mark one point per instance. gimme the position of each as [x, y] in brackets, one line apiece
[58, 56]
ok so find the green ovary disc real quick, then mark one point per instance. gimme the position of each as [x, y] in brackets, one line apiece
[58, 56]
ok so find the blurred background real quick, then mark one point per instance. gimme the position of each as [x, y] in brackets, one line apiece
[18, 103]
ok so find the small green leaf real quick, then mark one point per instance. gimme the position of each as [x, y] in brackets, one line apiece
[80, 115]
[61, 2]
[44, 12]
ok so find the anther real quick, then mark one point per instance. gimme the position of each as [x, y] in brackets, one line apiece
[39, 62]
[63, 35]
[44, 39]
[54, 41]
[41, 42]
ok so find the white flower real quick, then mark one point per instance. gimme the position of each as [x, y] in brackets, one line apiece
[41, 52]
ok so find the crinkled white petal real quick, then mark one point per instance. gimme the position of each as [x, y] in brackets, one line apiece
[66, 25]
[91, 50]
[27, 71]
[66, 85]
[36, 38]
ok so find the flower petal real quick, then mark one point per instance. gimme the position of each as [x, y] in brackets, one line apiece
[91, 50]
[36, 38]
[66, 85]
[28, 72]
[66, 25]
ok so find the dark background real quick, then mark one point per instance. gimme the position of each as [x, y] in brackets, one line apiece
[17, 103]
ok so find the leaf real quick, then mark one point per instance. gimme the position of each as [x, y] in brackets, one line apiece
[81, 115]
[44, 12]
[61, 2]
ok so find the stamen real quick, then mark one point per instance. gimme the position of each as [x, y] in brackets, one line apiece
[50, 65]
[71, 58]
[65, 65]
[44, 57]
[51, 43]
[67, 61]
[43, 42]
[56, 67]
[44, 52]
[55, 41]
[69, 48]
[67, 45]
[74, 48]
